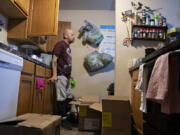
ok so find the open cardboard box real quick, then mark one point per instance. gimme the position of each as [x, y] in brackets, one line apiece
[89, 115]
[31, 124]
[112, 117]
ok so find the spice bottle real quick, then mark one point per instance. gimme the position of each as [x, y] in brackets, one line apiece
[153, 33]
[160, 34]
[135, 33]
[144, 33]
[141, 33]
[156, 34]
[150, 34]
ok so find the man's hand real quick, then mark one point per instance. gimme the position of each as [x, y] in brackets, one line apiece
[53, 78]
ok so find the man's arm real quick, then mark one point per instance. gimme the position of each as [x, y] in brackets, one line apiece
[54, 68]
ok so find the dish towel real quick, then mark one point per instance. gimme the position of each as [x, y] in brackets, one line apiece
[141, 86]
[40, 83]
[163, 86]
[158, 83]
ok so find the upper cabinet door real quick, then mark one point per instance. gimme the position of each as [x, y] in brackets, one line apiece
[24, 5]
[44, 18]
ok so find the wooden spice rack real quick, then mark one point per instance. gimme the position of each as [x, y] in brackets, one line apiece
[134, 26]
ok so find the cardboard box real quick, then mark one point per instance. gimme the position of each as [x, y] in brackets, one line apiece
[90, 117]
[31, 124]
[116, 118]
[90, 111]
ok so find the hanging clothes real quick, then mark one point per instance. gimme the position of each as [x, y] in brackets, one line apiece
[163, 86]
[141, 86]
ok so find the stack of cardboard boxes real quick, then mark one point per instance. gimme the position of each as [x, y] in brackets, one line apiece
[112, 117]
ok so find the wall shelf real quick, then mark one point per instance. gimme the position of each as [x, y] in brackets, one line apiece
[135, 27]
[149, 26]
[149, 39]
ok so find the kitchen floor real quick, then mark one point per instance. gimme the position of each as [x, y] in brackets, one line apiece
[75, 131]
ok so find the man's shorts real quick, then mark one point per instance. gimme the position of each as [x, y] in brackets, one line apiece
[63, 88]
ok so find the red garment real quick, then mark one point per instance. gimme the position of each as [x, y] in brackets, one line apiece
[64, 63]
[163, 86]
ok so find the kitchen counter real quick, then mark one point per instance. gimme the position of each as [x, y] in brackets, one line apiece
[7, 48]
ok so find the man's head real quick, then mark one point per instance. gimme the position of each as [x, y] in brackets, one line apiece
[69, 36]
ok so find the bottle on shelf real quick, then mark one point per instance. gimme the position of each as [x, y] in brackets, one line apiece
[135, 33]
[150, 33]
[152, 22]
[144, 33]
[156, 20]
[148, 17]
[164, 21]
[156, 34]
[141, 33]
[160, 20]
[160, 34]
[153, 34]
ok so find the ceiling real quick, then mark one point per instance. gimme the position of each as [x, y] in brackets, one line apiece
[87, 4]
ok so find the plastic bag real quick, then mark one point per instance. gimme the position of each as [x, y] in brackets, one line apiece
[91, 34]
[96, 61]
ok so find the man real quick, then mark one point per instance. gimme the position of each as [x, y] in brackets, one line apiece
[62, 65]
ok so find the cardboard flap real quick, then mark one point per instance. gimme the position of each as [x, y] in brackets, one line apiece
[89, 99]
[40, 120]
[11, 122]
[85, 100]
[75, 102]
[96, 106]
[34, 120]
[117, 98]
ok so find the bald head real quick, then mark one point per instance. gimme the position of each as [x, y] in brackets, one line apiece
[68, 35]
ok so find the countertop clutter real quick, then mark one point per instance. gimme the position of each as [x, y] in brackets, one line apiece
[9, 49]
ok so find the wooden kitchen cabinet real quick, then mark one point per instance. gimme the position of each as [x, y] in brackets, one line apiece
[10, 9]
[48, 94]
[52, 40]
[44, 18]
[18, 28]
[26, 88]
[38, 97]
[23, 5]
[48, 101]
[32, 100]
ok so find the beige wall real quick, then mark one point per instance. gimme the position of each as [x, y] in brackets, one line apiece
[3, 33]
[123, 54]
[86, 84]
